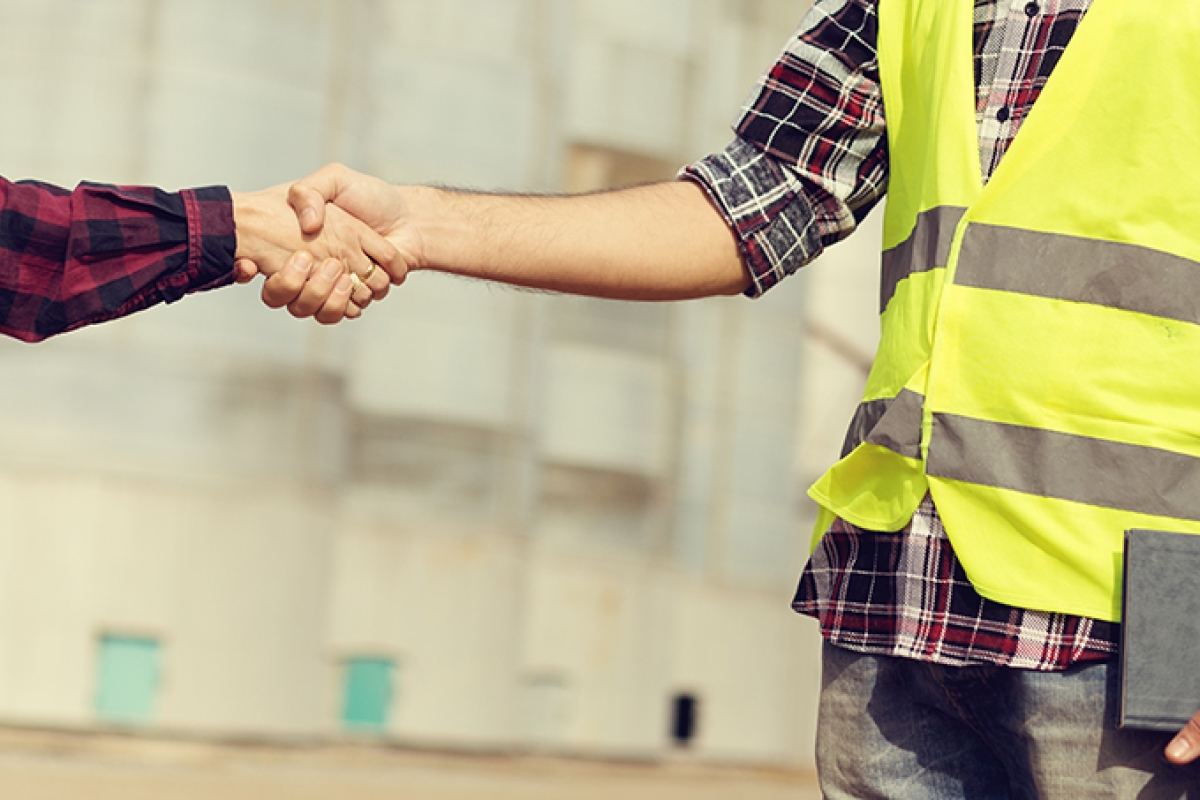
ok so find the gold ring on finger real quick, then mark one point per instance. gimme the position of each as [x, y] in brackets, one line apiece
[356, 284]
[370, 271]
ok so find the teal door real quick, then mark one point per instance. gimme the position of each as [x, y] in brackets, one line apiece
[127, 681]
[367, 696]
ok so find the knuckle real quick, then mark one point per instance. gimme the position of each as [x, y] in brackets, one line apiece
[330, 312]
[288, 281]
[276, 296]
[297, 195]
[300, 308]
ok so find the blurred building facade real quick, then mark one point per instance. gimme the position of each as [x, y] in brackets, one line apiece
[477, 518]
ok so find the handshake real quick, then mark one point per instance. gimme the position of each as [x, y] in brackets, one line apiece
[328, 245]
[335, 241]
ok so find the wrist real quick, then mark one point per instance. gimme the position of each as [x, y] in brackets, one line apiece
[248, 223]
[266, 228]
[438, 227]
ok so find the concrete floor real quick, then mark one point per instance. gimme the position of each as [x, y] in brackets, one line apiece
[48, 765]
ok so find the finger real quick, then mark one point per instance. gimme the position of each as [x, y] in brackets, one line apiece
[285, 286]
[308, 196]
[334, 308]
[319, 288]
[385, 262]
[356, 261]
[378, 281]
[364, 251]
[353, 311]
[244, 270]
[385, 254]
[361, 294]
[1185, 747]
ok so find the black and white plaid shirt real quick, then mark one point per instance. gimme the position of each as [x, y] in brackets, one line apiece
[809, 162]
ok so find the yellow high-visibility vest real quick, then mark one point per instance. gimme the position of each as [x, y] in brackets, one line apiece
[1039, 366]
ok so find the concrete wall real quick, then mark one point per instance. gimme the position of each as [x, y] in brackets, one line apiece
[553, 514]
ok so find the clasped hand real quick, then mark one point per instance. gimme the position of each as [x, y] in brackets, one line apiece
[322, 243]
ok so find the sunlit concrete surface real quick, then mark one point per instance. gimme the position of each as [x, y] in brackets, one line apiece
[65, 766]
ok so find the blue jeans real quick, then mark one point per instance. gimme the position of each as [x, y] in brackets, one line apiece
[902, 729]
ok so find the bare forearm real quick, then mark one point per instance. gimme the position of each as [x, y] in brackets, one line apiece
[658, 242]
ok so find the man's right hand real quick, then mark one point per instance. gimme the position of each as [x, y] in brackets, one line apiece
[374, 201]
[327, 274]
[336, 189]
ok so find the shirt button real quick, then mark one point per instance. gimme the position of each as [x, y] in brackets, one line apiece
[1032, 9]
[1003, 114]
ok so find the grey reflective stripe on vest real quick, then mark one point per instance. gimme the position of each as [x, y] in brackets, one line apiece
[1121, 276]
[894, 423]
[1045, 463]
[927, 248]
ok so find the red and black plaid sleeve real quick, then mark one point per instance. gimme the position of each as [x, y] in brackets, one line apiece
[74, 258]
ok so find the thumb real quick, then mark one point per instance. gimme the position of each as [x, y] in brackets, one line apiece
[308, 197]
[309, 206]
[1184, 748]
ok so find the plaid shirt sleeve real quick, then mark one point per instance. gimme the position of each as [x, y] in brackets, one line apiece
[75, 258]
[810, 157]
